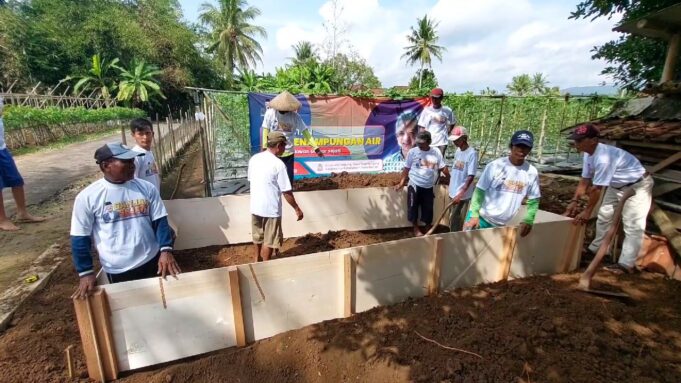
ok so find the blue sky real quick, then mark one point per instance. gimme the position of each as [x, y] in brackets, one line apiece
[487, 41]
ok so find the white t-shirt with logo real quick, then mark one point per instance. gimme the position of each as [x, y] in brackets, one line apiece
[119, 217]
[611, 166]
[437, 122]
[465, 164]
[2, 135]
[146, 168]
[268, 178]
[505, 186]
[287, 123]
[424, 166]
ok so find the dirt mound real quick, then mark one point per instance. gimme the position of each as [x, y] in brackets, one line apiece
[347, 181]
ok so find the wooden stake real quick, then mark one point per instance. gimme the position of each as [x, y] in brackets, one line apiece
[434, 267]
[506, 256]
[667, 228]
[573, 249]
[235, 292]
[70, 365]
[349, 271]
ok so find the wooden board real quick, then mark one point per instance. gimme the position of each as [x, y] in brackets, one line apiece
[198, 318]
[543, 250]
[227, 219]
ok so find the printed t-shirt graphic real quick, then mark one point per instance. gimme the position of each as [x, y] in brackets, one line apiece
[437, 121]
[424, 166]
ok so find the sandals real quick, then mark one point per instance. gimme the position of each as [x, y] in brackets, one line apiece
[619, 269]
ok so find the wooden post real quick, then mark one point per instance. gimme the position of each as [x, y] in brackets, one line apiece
[667, 228]
[672, 56]
[93, 316]
[158, 155]
[124, 139]
[349, 271]
[506, 256]
[434, 267]
[540, 149]
[235, 291]
[70, 365]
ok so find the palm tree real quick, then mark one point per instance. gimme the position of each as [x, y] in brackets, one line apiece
[422, 48]
[489, 92]
[138, 83]
[304, 53]
[98, 77]
[539, 83]
[520, 85]
[232, 37]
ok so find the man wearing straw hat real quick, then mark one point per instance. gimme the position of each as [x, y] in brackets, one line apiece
[282, 116]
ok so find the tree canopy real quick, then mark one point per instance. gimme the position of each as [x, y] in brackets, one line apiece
[423, 44]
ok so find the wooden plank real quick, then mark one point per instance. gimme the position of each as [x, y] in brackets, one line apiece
[434, 266]
[349, 271]
[102, 321]
[544, 250]
[573, 249]
[70, 364]
[667, 228]
[235, 293]
[666, 162]
[510, 236]
[660, 190]
[652, 145]
[88, 338]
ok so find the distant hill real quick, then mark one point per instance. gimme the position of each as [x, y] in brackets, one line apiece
[608, 90]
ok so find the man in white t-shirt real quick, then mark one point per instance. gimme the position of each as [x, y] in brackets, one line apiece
[145, 166]
[613, 169]
[463, 171]
[127, 221]
[438, 120]
[282, 116]
[422, 167]
[269, 181]
[503, 185]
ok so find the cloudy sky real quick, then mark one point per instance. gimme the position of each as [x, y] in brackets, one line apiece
[487, 41]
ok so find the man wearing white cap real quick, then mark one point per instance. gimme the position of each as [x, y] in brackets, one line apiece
[438, 120]
[463, 171]
[282, 116]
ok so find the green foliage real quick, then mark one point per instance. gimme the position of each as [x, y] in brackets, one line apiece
[423, 43]
[22, 117]
[632, 60]
[423, 80]
[526, 85]
[232, 37]
[304, 53]
[138, 82]
[98, 77]
[520, 85]
[352, 73]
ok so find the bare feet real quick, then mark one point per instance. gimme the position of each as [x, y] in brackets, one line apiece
[418, 232]
[29, 218]
[7, 225]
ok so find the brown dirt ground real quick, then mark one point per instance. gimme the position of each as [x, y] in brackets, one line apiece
[532, 330]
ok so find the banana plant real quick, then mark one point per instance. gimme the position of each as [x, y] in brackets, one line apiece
[98, 77]
[139, 83]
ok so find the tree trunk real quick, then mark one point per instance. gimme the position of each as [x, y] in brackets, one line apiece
[421, 76]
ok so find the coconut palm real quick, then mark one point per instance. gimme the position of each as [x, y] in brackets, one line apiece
[232, 36]
[138, 83]
[98, 77]
[520, 85]
[304, 53]
[539, 83]
[423, 48]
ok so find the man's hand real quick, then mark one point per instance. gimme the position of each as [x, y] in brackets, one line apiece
[571, 209]
[319, 152]
[525, 229]
[582, 218]
[457, 198]
[299, 213]
[399, 186]
[85, 287]
[472, 224]
[167, 265]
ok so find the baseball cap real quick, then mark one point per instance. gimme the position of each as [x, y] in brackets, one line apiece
[436, 92]
[276, 137]
[423, 137]
[458, 132]
[115, 150]
[584, 131]
[523, 137]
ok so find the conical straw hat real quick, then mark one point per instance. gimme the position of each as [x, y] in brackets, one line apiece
[285, 102]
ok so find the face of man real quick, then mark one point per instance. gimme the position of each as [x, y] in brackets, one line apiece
[119, 171]
[586, 145]
[460, 141]
[518, 154]
[407, 136]
[437, 102]
[424, 146]
[144, 138]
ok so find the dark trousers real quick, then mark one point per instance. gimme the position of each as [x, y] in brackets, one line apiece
[420, 198]
[289, 161]
[147, 270]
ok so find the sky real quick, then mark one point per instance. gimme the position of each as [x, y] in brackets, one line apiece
[487, 41]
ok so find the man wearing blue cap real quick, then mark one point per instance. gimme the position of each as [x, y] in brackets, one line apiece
[126, 219]
[503, 185]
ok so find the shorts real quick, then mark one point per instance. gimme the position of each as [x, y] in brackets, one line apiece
[419, 198]
[9, 174]
[267, 231]
[289, 162]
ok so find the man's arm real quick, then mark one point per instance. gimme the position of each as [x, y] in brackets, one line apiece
[310, 140]
[82, 259]
[291, 200]
[594, 194]
[581, 190]
[476, 204]
[403, 179]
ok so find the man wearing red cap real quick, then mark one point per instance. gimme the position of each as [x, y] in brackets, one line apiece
[613, 169]
[438, 120]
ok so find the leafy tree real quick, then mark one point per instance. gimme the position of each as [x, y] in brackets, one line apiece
[539, 83]
[632, 60]
[304, 53]
[351, 73]
[489, 92]
[423, 45]
[232, 36]
[520, 85]
[137, 83]
[98, 78]
[249, 81]
[424, 79]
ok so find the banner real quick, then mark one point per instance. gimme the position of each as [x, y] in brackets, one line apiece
[355, 134]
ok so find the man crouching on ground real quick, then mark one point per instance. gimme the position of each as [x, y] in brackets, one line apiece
[127, 221]
[269, 180]
[423, 166]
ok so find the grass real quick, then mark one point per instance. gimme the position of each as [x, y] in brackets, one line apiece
[65, 141]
